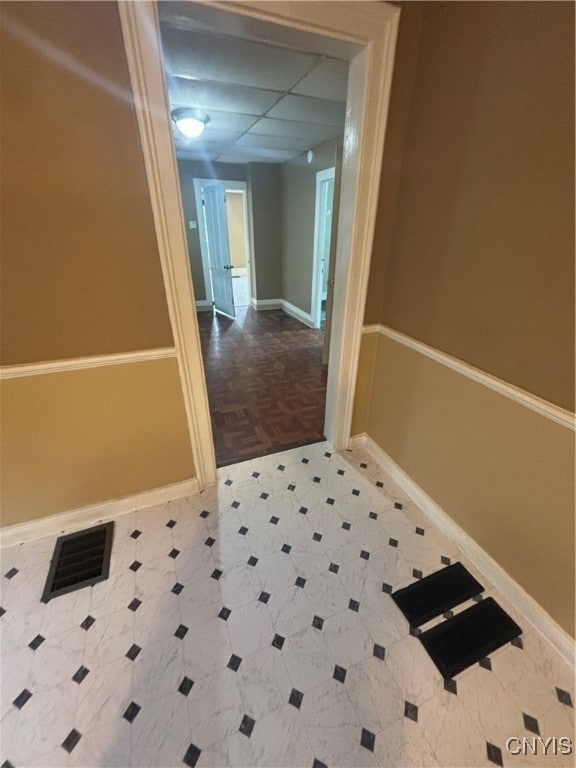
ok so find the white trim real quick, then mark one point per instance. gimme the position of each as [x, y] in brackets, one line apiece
[141, 33]
[315, 298]
[501, 580]
[198, 183]
[81, 363]
[65, 522]
[259, 304]
[297, 313]
[520, 396]
[203, 305]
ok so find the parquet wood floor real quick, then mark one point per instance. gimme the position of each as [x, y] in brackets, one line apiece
[266, 382]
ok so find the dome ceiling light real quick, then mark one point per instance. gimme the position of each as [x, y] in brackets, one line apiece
[190, 122]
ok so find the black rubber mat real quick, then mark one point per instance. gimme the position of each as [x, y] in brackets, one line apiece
[456, 644]
[436, 593]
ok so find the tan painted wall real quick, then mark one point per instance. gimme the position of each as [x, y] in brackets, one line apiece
[188, 170]
[78, 438]
[265, 221]
[474, 248]
[298, 212]
[502, 472]
[80, 267]
[236, 228]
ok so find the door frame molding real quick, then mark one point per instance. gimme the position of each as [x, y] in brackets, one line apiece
[373, 27]
[315, 298]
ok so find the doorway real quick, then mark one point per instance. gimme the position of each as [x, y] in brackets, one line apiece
[322, 244]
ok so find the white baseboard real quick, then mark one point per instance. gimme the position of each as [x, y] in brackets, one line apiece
[266, 303]
[203, 305]
[504, 583]
[297, 313]
[66, 522]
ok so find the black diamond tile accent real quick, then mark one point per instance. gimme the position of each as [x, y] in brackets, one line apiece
[411, 711]
[234, 662]
[318, 764]
[247, 726]
[355, 492]
[291, 487]
[243, 530]
[177, 588]
[531, 724]
[228, 482]
[22, 698]
[397, 505]
[235, 504]
[278, 642]
[416, 573]
[286, 548]
[185, 686]
[174, 553]
[340, 472]
[316, 479]
[133, 651]
[135, 565]
[303, 510]
[255, 474]
[87, 623]
[328, 454]
[135, 534]
[387, 588]
[281, 467]
[135, 604]
[264, 495]
[339, 674]
[420, 531]
[296, 698]
[379, 484]
[2, 611]
[564, 697]
[494, 754]
[252, 560]
[485, 663]
[333, 568]
[11, 573]
[264, 597]
[210, 541]
[170, 523]
[36, 643]
[274, 520]
[305, 461]
[354, 605]
[346, 526]
[80, 674]
[379, 651]
[445, 560]
[367, 739]
[373, 516]
[71, 740]
[131, 711]
[192, 756]
[300, 582]
[216, 573]
[450, 686]
[181, 632]
[330, 501]
[224, 614]
[317, 536]
[364, 465]
[517, 642]
[365, 555]
[393, 542]
[317, 622]
[204, 513]
[7, 764]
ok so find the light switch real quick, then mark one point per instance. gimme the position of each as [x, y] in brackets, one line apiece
[193, 224]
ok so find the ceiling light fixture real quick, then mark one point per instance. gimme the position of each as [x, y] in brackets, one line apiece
[190, 122]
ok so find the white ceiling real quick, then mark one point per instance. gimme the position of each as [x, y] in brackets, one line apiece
[266, 102]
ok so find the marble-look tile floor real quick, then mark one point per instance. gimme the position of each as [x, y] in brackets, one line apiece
[252, 625]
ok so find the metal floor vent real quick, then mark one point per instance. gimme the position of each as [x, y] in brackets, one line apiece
[79, 560]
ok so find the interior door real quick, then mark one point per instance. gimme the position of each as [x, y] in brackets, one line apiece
[332, 266]
[214, 197]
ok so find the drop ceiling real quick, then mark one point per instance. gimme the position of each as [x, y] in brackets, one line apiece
[265, 102]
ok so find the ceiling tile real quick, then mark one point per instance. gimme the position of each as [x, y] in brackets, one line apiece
[308, 110]
[232, 60]
[238, 154]
[274, 142]
[328, 80]
[217, 96]
[268, 126]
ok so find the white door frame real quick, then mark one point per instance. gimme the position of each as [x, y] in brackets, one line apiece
[374, 27]
[316, 299]
[239, 186]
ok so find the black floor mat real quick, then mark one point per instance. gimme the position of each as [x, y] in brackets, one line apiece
[456, 644]
[436, 593]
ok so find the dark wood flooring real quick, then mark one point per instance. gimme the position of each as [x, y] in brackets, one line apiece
[266, 382]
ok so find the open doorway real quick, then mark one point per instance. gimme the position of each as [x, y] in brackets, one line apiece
[322, 241]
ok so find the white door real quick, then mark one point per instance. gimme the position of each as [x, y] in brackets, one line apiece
[218, 247]
[322, 238]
